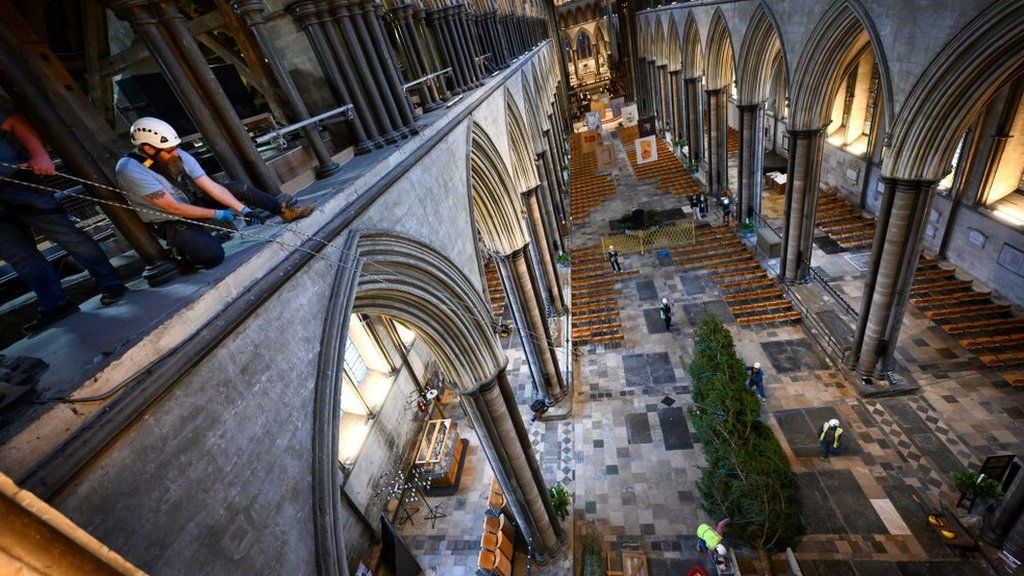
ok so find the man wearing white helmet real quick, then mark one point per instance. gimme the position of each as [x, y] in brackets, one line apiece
[709, 539]
[756, 380]
[168, 184]
[666, 313]
[829, 438]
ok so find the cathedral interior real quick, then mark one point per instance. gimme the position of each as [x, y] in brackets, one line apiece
[512, 287]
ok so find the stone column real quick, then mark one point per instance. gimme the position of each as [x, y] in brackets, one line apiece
[537, 220]
[517, 274]
[550, 200]
[717, 156]
[694, 118]
[403, 22]
[664, 90]
[252, 12]
[1011, 507]
[439, 25]
[373, 15]
[652, 80]
[556, 186]
[323, 38]
[492, 409]
[894, 254]
[469, 40]
[676, 104]
[751, 161]
[641, 86]
[805, 148]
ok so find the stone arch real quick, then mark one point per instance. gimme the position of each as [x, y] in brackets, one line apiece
[843, 32]
[520, 144]
[647, 41]
[584, 33]
[953, 90]
[759, 56]
[675, 50]
[496, 207]
[658, 48]
[719, 63]
[693, 52]
[531, 95]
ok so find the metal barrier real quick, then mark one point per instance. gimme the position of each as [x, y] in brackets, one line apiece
[639, 242]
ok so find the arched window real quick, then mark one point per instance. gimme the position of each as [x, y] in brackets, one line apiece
[583, 46]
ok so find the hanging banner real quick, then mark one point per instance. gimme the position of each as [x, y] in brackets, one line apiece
[647, 126]
[589, 141]
[617, 105]
[646, 149]
[629, 115]
[594, 120]
[605, 158]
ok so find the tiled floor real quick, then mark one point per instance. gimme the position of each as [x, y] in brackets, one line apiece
[627, 454]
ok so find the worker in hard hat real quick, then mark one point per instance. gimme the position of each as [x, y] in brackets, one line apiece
[169, 187]
[829, 438]
[613, 257]
[756, 380]
[710, 539]
[666, 313]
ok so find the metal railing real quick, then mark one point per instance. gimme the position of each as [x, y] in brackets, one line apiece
[279, 133]
[428, 78]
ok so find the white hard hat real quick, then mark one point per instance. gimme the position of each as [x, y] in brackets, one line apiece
[757, 365]
[833, 423]
[155, 132]
[664, 300]
[610, 247]
[720, 549]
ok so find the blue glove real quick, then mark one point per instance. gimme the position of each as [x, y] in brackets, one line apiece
[224, 216]
[252, 217]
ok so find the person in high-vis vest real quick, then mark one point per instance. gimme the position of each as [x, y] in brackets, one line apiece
[710, 539]
[829, 437]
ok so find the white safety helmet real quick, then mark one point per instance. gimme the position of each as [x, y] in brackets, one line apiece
[833, 423]
[155, 132]
[720, 549]
[757, 365]
[664, 300]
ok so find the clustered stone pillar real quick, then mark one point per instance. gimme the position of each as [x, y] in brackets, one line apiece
[751, 160]
[163, 29]
[550, 200]
[1008, 512]
[348, 39]
[718, 157]
[894, 255]
[805, 149]
[694, 118]
[538, 216]
[402, 19]
[676, 103]
[252, 12]
[641, 85]
[556, 184]
[505, 441]
[524, 297]
[451, 36]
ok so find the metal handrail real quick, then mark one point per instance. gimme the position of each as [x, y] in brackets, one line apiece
[426, 78]
[278, 133]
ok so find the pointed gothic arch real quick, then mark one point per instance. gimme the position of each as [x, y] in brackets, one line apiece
[954, 89]
[693, 52]
[675, 50]
[760, 55]
[841, 34]
[719, 63]
[519, 142]
[496, 206]
[658, 48]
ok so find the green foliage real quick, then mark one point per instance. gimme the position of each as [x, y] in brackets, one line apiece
[560, 500]
[968, 484]
[593, 556]
[748, 477]
[747, 227]
[562, 258]
[693, 167]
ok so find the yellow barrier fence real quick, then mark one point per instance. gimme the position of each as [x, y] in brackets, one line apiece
[640, 242]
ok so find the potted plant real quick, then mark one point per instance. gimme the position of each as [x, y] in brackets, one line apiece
[678, 145]
[974, 487]
[693, 168]
[562, 259]
[560, 500]
[747, 227]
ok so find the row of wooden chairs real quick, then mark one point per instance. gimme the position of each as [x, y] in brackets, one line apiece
[732, 141]
[497, 542]
[495, 289]
[981, 326]
[843, 222]
[595, 308]
[752, 296]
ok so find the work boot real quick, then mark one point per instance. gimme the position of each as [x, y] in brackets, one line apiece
[289, 213]
[113, 294]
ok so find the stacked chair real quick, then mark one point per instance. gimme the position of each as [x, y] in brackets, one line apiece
[667, 170]
[732, 141]
[498, 541]
[752, 296]
[595, 308]
[495, 290]
[983, 327]
[843, 222]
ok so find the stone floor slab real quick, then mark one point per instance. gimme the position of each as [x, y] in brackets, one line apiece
[674, 430]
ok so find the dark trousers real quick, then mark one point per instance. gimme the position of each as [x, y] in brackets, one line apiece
[615, 264]
[827, 449]
[194, 243]
[23, 210]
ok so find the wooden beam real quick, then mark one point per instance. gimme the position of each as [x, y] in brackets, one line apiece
[211, 42]
[97, 46]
